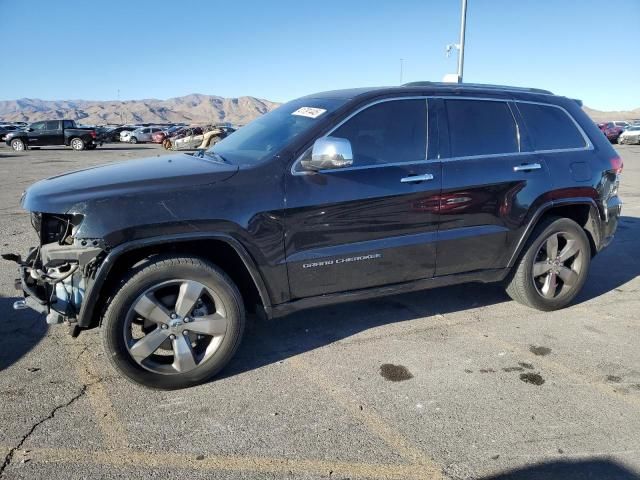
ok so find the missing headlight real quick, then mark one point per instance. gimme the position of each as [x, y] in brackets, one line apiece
[55, 228]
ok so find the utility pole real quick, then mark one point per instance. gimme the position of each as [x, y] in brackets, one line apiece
[453, 77]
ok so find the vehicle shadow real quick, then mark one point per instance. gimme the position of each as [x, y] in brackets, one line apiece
[590, 469]
[268, 342]
[20, 332]
[272, 341]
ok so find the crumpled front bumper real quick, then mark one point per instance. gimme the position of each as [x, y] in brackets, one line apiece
[34, 299]
[53, 279]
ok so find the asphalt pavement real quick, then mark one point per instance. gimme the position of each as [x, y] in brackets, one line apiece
[458, 382]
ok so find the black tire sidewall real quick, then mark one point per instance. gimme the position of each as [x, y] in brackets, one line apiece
[556, 226]
[160, 271]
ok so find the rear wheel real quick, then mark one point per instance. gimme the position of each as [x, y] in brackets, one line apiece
[553, 267]
[174, 323]
[77, 144]
[18, 145]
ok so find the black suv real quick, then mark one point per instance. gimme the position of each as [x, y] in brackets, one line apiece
[333, 197]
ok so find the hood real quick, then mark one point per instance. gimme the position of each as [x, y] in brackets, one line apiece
[61, 193]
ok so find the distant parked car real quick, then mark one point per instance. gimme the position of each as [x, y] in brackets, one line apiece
[611, 131]
[112, 134]
[5, 129]
[621, 123]
[630, 136]
[142, 134]
[53, 132]
[159, 137]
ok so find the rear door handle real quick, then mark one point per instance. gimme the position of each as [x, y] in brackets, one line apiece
[417, 178]
[525, 167]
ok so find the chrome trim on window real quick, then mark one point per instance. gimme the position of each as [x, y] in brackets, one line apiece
[588, 144]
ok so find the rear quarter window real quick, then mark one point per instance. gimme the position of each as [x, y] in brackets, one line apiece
[481, 127]
[550, 128]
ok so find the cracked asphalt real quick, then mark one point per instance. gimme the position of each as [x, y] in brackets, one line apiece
[457, 382]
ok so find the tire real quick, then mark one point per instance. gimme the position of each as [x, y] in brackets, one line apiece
[543, 287]
[133, 140]
[18, 145]
[77, 144]
[218, 308]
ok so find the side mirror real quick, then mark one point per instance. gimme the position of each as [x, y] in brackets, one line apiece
[329, 153]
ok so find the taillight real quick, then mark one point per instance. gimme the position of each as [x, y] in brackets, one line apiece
[617, 164]
[93, 133]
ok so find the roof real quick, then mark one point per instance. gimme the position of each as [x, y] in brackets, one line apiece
[428, 88]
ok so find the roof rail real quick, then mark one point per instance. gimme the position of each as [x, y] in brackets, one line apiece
[477, 85]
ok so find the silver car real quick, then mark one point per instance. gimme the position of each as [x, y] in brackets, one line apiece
[143, 134]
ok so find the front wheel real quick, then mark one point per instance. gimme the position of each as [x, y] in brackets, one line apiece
[17, 145]
[553, 267]
[133, 140]
[77, 144]
[176, 322]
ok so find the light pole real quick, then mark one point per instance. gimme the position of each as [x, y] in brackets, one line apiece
[463, 27]
[459, 46]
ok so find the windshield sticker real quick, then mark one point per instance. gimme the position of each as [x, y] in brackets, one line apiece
[310, 112]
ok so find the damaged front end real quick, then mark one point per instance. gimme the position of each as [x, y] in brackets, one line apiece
[54, 275]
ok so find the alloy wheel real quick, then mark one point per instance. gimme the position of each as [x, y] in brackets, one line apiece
[175, 326]
[557, 265]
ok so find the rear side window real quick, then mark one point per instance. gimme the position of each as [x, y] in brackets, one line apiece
[550, 128]
[480, 127]
[68, 124]
[388, 132]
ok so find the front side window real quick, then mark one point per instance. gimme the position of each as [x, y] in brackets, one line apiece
[388, 132]
[53, 125]
[550, 128]
[481, 127]
[38, 126]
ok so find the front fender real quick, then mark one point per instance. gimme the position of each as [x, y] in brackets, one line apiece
[94, 288]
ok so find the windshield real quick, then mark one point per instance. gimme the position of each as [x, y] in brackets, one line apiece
[268, 134]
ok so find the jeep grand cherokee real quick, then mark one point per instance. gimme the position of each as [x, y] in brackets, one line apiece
[332, 197]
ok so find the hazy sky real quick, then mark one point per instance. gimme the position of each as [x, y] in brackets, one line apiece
[280, 50]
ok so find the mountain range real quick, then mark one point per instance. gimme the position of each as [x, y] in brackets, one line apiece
[194, 108]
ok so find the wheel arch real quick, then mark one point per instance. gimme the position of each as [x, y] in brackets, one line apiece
[583, 211]
[223, 250]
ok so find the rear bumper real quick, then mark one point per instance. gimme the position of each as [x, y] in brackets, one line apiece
[612, 212]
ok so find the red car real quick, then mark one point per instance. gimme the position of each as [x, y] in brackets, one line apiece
[159, 137]
[611, 131]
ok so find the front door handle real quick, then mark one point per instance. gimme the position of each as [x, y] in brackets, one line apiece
[525, 167]
[417, 178]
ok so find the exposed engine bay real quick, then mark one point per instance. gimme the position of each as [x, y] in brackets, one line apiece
[54, 275]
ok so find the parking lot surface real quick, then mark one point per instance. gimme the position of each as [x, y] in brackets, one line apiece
[458, 382]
